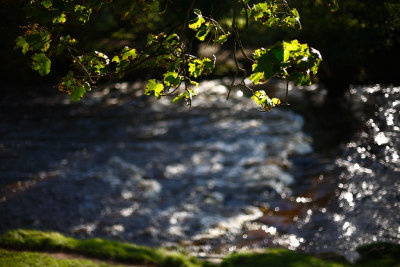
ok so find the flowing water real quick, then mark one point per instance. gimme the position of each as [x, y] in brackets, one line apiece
[366, 206]
[218, 177]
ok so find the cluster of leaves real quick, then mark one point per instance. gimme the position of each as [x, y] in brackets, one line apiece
[355, 41]
[262, 99]
[291, 60]
[45, 38]
[288, 60]
[74, 87]
[275, 13]
[204, 26]
[37, 41]
[394, 12]
[180, 67]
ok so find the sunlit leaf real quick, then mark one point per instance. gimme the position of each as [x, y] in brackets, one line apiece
[263, 100]
[172, 78]
[257, 77]
[199, 67]
[47, 3]
[116, 59]
[128, 53]
[179, 97]
[290, 60]
[154, 87]
[61, 19]
[197, 23]
[203, 32]
[223, 38]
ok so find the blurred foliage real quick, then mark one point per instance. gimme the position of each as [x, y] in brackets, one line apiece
[360, 41]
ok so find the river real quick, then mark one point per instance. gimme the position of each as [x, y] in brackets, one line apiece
[214, 178]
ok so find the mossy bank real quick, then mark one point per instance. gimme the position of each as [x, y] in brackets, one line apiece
[37, 248]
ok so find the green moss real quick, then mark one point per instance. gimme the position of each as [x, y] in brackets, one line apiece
[379, 254]
[180, 260]
[100, 248]
[37, 240]
[33, 259]
[126, 252]
[277, 257]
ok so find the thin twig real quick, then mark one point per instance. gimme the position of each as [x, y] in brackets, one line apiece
[165, 8]
[83, 67]
[287, 92]
[236, 72]
[245, 7]
[236, 32]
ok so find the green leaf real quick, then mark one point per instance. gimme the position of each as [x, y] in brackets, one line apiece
[172, 78]
[61, 19]
[223, 38]
[74, 87]
[83, 13]
[209, 65]
[193, 82]
[156, 87]
[268, 64]
[78, 90]
[116, 59]
[257, 77]
[21, 42]
[291, 60]
[197, 23]
[179, 97]
[274, 14]
[198, 66]
[67, 40]
[187, 95]
[263, 100]
[197, 12]
[195, 69]
[41, 63]
[47, 3]
[128, 53]
[203, 32]
[279, 53]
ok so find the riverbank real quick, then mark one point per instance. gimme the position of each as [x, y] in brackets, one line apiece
[36, 248]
